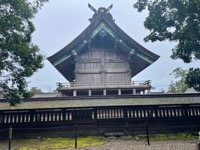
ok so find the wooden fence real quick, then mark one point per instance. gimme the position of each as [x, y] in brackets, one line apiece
[95, 115]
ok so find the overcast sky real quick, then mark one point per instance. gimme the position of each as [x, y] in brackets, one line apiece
[60, 21]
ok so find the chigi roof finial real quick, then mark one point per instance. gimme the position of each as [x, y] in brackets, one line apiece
[102, 11]
[110, 7]
[92, 8]
[95, 11]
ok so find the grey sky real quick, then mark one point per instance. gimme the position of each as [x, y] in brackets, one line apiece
[60, 21]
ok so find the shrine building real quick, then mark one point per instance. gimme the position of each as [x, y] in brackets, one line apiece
[102, 60]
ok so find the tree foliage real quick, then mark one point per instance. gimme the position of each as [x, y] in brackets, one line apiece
[175, 20]
[193, 78]
[19, 57]
[35, 90]
[180, 85]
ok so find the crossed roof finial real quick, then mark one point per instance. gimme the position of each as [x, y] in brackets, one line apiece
[95, 11]
[92, 8]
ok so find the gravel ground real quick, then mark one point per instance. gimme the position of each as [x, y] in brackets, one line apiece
[138, 145]
[134, 145]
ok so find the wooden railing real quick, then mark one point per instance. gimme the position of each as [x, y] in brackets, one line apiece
[99, 84]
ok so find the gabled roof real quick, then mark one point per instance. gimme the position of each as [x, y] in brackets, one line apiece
[102, 23]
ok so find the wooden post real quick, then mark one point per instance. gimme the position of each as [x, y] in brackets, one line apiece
[134, 91]
[95, 118]
[198, 143]
[75, 137]
[64, 115]
[10, 137]
[125, 117]
[74, 92]
[89, 93]
[147, 133]
[119, 91]
[104, 92]
[31, 112]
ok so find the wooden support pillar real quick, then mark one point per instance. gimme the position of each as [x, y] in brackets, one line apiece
[104, 92]
[95, 119]
[74, 93]
[119, 92]
[134, 91]
[148, 91]
[143, 92]
[89, 93]
[60, 94]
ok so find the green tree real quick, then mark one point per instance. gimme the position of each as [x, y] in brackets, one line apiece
[19, 57]
[193, 78]
[180, 85]
[179, 21]
[35, 90]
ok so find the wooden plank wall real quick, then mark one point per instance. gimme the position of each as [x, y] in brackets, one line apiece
[102, 67]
